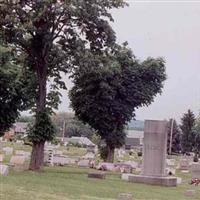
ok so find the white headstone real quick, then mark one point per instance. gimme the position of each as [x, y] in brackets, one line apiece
[190, 193]
[154, 150]
[84, 163]
[89, 155]
[179, 180]
[171, 162]
[19, 163]
[8, 150]
[184, 164]
[106, 166]
[125, 176]
[125, 196]
[195, 169]
[57, 152]
[154, 156]
[170, 171]
[60, 160]
[4, 170]
[1, 158]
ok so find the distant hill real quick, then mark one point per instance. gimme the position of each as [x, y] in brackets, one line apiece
[136, 125]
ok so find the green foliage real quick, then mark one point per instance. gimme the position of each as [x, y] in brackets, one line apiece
[49, 38]
[108, 88]
[73, 144]
[55, 141]
[14, 95]
[103, 150]
[188, 132]
[43, 129]
[197, 137]
[176, 137]
[73, 126]
[24, 118]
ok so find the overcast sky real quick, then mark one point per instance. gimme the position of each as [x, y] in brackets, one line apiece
[170, 29]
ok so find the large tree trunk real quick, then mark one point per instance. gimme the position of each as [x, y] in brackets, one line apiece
[37, 156]
[110, 154]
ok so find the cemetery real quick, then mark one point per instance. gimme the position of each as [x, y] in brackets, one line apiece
[99, 100]
[68, 174]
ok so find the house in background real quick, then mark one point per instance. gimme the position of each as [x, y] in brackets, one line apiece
[18, 128]
[135, 134]
[134, 139]
[82, 141]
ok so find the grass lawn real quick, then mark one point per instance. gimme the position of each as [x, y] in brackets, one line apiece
[71, 183]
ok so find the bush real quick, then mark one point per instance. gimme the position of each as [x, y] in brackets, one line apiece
[55, 141]
[75, 144]
[103, 151]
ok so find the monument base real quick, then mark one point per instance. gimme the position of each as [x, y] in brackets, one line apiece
[153, 180]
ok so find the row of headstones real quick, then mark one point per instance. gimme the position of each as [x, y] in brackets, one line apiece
[55, 157]
[18, 162]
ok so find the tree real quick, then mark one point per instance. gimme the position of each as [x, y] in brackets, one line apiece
[108, 88]
[188, 135]
[52, 36]
[13, 90]
[176, 137]
[27, 119]
[197, 137]
[72, 126]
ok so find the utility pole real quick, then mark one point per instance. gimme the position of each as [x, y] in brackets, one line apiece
[171, 134]
[63, 136]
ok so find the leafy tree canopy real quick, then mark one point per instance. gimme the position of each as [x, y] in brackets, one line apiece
[14, 94]
[108, 88]
[49, 38]
[197, 136]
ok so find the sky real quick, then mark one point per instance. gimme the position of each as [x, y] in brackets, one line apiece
[168, 29]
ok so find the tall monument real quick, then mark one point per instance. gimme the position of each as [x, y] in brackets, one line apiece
[154, 156]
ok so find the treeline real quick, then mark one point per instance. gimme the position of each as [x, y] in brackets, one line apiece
[186, 136]
[67, 125]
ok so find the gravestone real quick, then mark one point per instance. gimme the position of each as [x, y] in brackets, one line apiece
[154, 156]
[61, 160]
[124, 168]
[57, 152]
[125, 196]
[195, 169]
[1, 158]
[84, 163]
[99, 175]
[48, 156]
[8, 150]
[179, 180]
[190, 193]
[89, 155]
[23, 153]
[19, 163]
[170, 171]
[133, 164]
[184, 164]
[125, 176]
[19, 152]
[171, 162]
[106, 166]
[4, 170]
